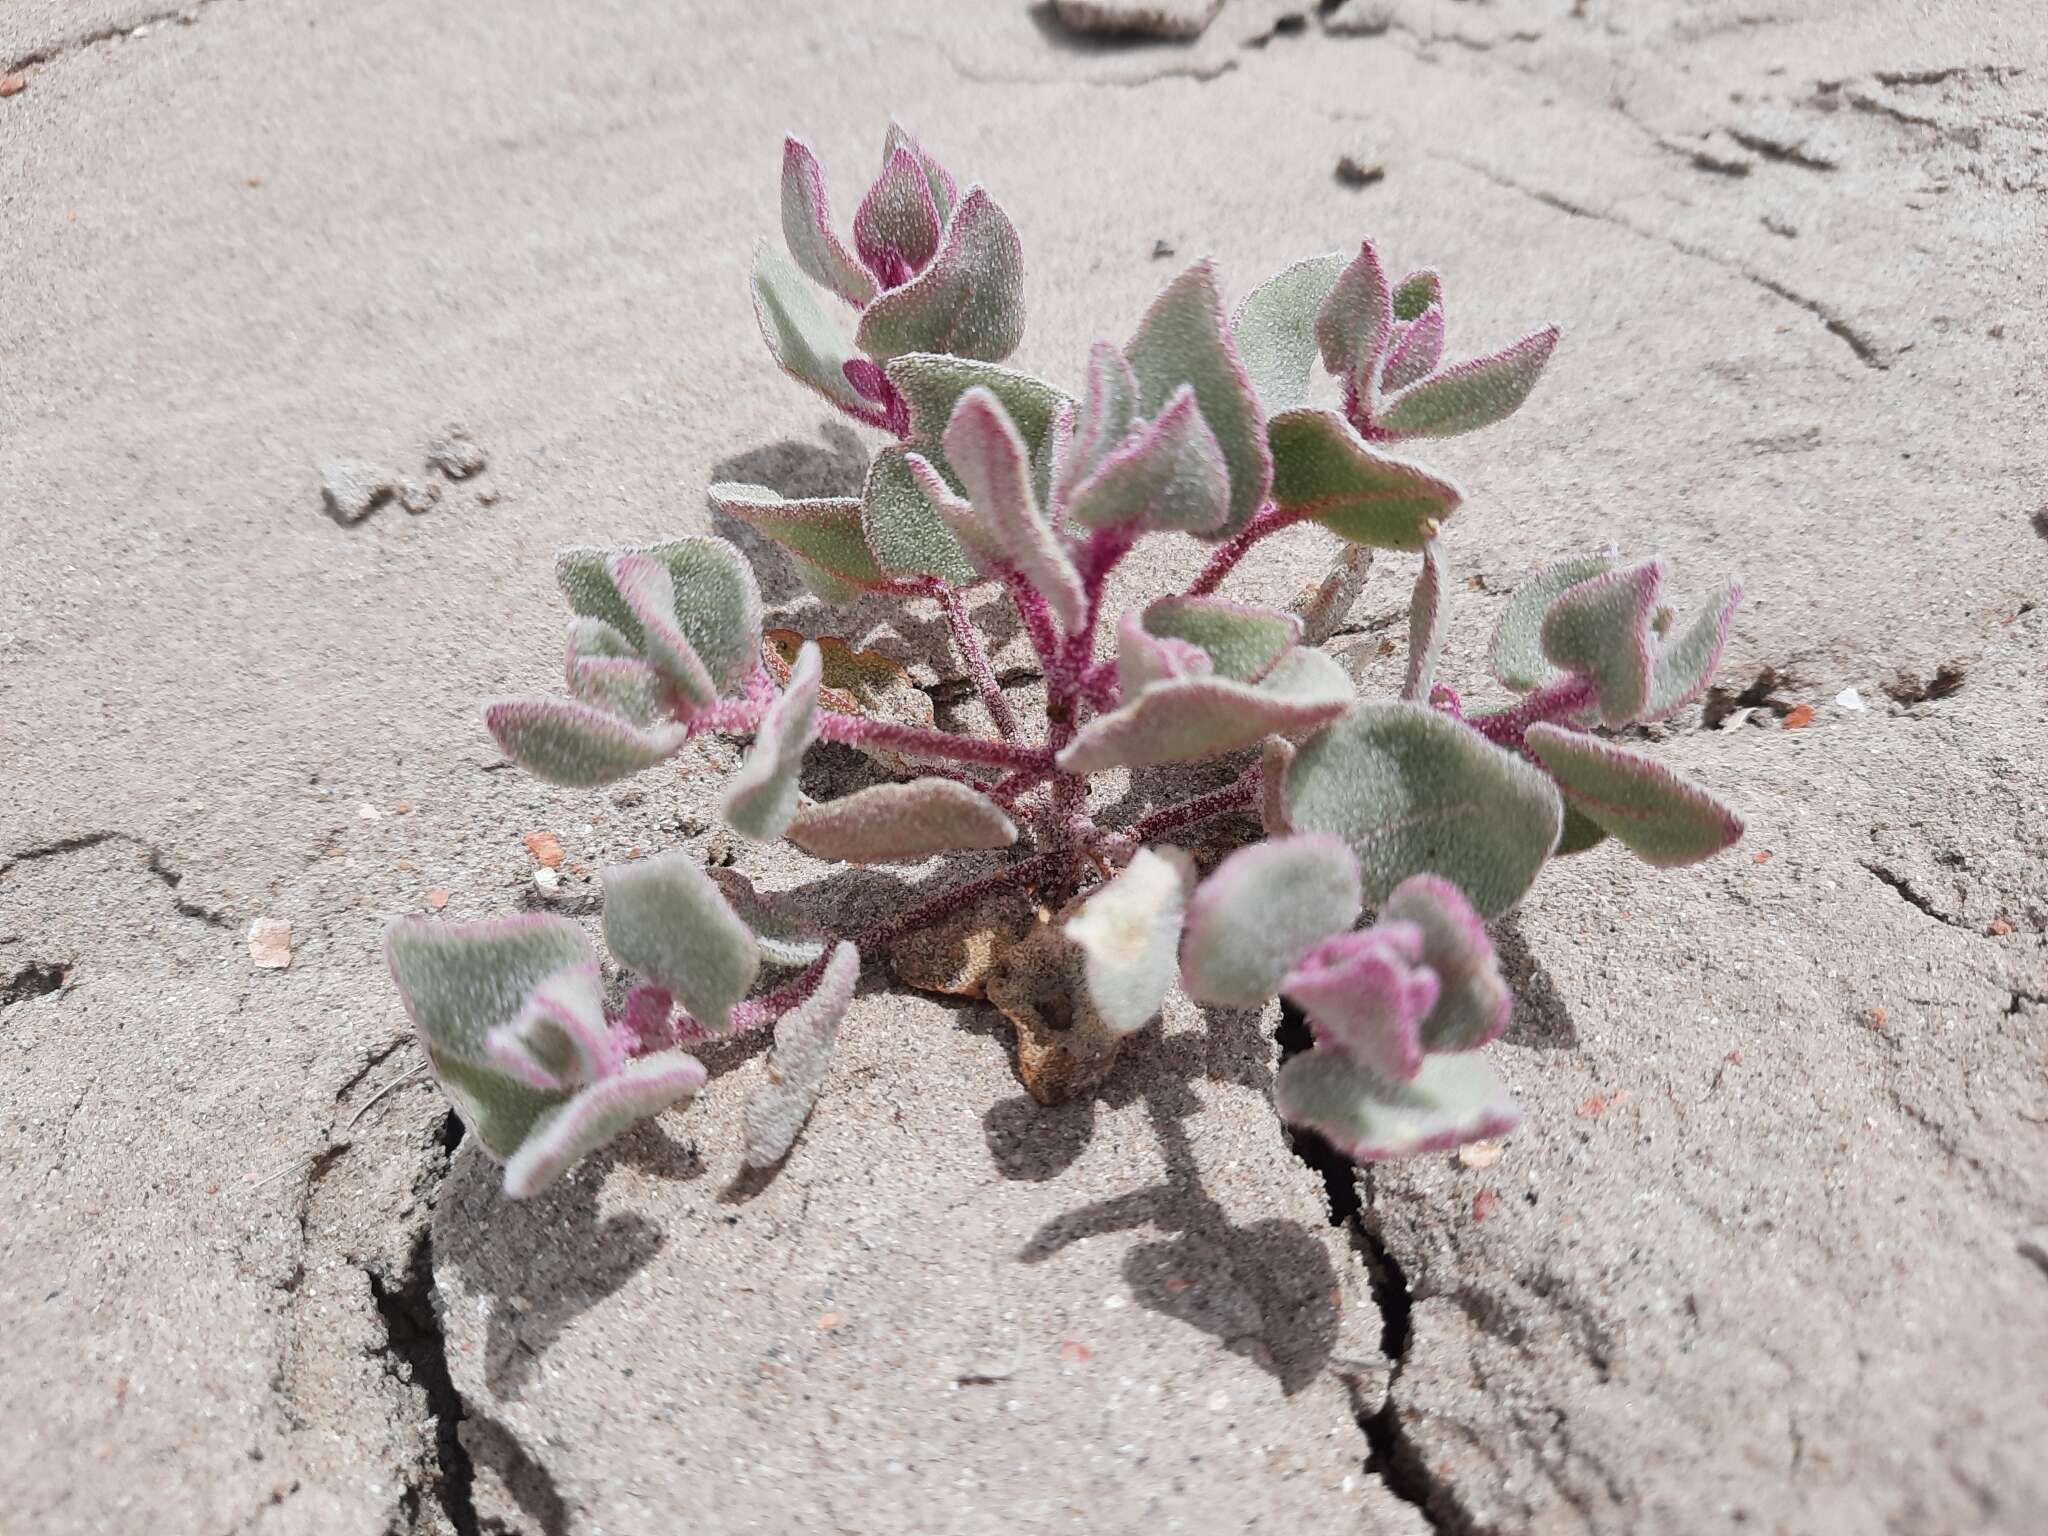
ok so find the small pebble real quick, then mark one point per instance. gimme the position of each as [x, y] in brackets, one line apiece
[547, 879]
[352, 489]
[270, 943]
[1479, 1154]
[1849, 698]
[545, 847]
[418, 496]
[437, 898]
[455, 455]
[14, 84]
[1354, 172]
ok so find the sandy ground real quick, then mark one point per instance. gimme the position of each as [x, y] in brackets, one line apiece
[1759, 1259]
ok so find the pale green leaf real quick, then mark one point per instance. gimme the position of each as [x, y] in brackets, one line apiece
[989, 456]
[902, 823]
[1260, 911]
[1323, 470]
[805, 342]
[1468, 396]
[1453, 1100]
[664, 918]
[1601, 629]
[1473, 1000]
[1427, 611]
[1129, 935]
[568, 742]
[904, 529]
[1276, 329]
[1518, 659]
[1169, 474]
[807, 227]
[1189, 718]
[1356, 318]
[1684, 664]
[1242, 640]
[968, 302]
[1660, 817]
[797, 1065]
[823, 532]
[598, 1114]
[761, 799]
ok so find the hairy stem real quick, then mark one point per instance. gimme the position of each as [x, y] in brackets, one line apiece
[1037, 617]
[1098, 557]
[926, 742]
[1240, 794]
[1556, 701]
[1269, 521]
[975, 658]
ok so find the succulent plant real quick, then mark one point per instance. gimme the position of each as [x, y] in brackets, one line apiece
[1433, 820]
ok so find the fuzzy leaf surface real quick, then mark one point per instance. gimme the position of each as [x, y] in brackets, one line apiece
[649, 593]
[1600, 629]
[1685, 662]
[1418, 347]
[988, 454]
[664, 918]
[1168, 474]
[1260, 911]
[904, 529]
[902, 823]
[1275, 328]
[558, 1040]
[761, 799]
[1184, 339]
[1143, 659]
[1129, 934]
[797, 1065]
[807, 227]
[1518, 659]
[937, 177]
[1427, 611]
[968, 302]
[1416, 292]
[1412, 791]
[1322, 469]
[896, 228]
[1107, 412]
[598, 1114]
[1357, 317]
[1450, 1101]
[1660, 817]
[932, 383]
[805, 342]
[568, 742]
[1468, 396]
[716, 604]
[1365, 995]
[823, 531]
[1243, 641]
[1473, 1001]
[1191, 718]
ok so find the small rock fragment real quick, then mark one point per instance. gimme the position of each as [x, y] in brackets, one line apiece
[1798, 718]
[1178, 20]
[14, 84]
[1998, 928]
[1161, 249]
[436, 897]
[1784, 229]
[1359, 18]
[418, 496]
[487, 497]
[545, 847]
[1484, 1204]
[454, 454]
[1849, 699]
[270, 943]
[352, 489]
[547, 879]
[1354, 172]
[1479, 1154]
[2033, 1246]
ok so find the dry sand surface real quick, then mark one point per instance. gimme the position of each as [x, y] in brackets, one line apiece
[1767, 1255]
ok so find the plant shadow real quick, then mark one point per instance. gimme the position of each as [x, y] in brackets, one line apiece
[1542, 1020]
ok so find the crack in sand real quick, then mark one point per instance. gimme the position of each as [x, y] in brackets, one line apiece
[1912, 897]
[184, 16]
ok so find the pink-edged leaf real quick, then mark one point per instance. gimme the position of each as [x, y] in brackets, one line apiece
[761, 799]
[787, 937]
[931, 384]
[1357, 318]
[969, 301]
[716, 602]
[1108, 409]
[905, 530]
[902, 823]
[1243, 641]
[567, 742]
[1128, 932]
[1050, 457]
[1416, 292]
[1450, 1101]
[1685, 663]
[805, 342]
[1471, 395]
[1663, 819]
[987, 452]
[797, 1065]
[807, 227]
[632, 690]
[1260, 911]
[896, 229]
[1143, 658]
[1518, 659]
[596, 1115]
[1323, 470]
[647, 588]
[1427, 611]
[559, 1040]
[1365, 995]
[977, 536]
[1168, 474]
[1275, 328]
[1189, 719]
[664, 918]
[937, 178]
[1418, 347]
[1473, 1001]
[1600, 629]
[822, 531]
[1185, 339]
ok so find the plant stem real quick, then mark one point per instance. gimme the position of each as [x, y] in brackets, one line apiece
[927, 742]
[1037, 617]
[1269, 521]
[975, 658]
[1554, 701]
[1240, 794]
[1098, 557]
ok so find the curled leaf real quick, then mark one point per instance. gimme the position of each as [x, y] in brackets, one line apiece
[1471, 395]
[1260, 911]
[969, 301]
[1450, 1101]
[1107, 412]
[1129, 935]
[896, 229]
[1365, 995]
[806, 343]
[568, 742]
[1685, 662]
[1426, 623]
[1323, 470]
[1518, 659]
[1143, 658]
[902, 823]
[1418, 347]
[1660, 817]
[761, 799]
[823, 532]
[988, 454]
[1416, 292]
[558, 1039]
[1242, 640]
[1275, 328]
[937, 177]
[1356, 318]
[1189, 718]
[807, 227]
[804, 1037]
[716, 603]
[1601, 629]
[664, 918]
[649, 593]
[597, 1114]
[1473, 1001]
[1167, 474]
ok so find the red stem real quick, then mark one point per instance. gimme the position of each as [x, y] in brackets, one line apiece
[1560, 700]
[924, 741]
[1269, 521]
[975, 658]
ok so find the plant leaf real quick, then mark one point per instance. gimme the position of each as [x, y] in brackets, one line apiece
[1365, 995]
[969, 301]
[1471, 395]
[977, 535]
[760, 801]
[802, 1056]
[988, 454]
[717, 606]
[807, 227]
[1412, 790]
[904, 529]
[821, 531]
[1414, 294]
[1600, 629]
[1518, 659]
[596, 1115]
[1108, 411]
[1260, 911]
[648, 590]
[1356, 318]
[896, 228]
[902, 823]
[461, 981]
[1189, 718]
[1274, 757]
[1473, 1001]
[932, 383]
[558, 1040]
[806, 344]
[1243, 641]
[864, 683]
[937, 177]
[1684, 664]
[1142, 659]
[1322, 469]
[1580, 832]
[1275, 328]
[1129, 934]
[1452, 1100]
[1661, 818]
[1184, 339]
[664, 918]
[1418, 347]
[1325, 606]
[1168, 474]
[565, 741]
[1426, 622]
